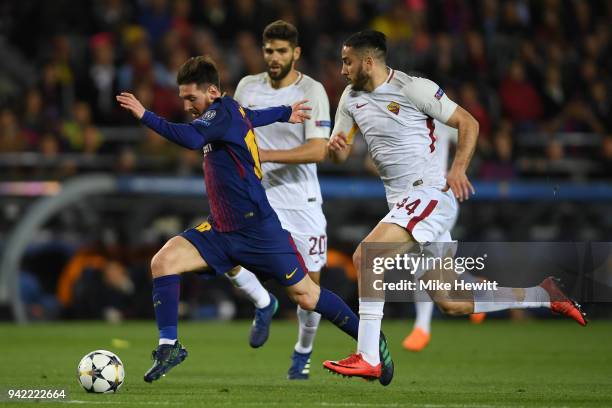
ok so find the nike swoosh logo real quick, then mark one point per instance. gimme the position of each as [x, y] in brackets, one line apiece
[290, 275]
[361, 106]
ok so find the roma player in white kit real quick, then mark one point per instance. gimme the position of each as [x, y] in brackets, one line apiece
[395, 114]
[289, 156]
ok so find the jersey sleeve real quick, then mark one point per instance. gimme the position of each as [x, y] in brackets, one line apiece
[192, 135]
[239, 92]
[430, 99]
[319, 124]
[263, 117]
[344, 121]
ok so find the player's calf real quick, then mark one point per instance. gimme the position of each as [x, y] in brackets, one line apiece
[455, 308]
[310, 296]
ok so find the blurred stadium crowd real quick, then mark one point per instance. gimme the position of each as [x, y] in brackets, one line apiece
[536, 74]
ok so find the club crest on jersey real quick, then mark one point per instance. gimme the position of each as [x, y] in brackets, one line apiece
[439, 93]
[209, 115]
[394, 107]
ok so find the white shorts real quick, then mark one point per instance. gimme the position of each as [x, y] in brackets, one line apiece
[307, 227]
[426, 213]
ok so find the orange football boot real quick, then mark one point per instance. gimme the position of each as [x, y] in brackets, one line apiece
[354, 366]
[417, 340]
[561, 303]
[477, 318]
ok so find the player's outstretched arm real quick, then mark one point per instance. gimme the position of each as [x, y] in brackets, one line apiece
[338, 147]
[185, 135]
[296, 113]
[313, 151]
[468, 127]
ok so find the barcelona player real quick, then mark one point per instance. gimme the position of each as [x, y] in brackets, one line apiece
[242, 228]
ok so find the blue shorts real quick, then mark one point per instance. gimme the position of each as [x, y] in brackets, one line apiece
[265, 249]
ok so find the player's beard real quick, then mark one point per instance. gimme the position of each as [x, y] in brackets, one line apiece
[360, 81]
[284, 71]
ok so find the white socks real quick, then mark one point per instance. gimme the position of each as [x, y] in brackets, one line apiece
[370, 319]
[247, 283]
[167, 341]
[510, 298]
[309, 322]
[423, 310]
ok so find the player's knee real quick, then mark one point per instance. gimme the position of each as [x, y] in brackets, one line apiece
[305, 293]
[307, 298]
[454, 308]
[161, 264]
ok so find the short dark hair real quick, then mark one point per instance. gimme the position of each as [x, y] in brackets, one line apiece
[369, 40]
[199, 70]
[281, 30]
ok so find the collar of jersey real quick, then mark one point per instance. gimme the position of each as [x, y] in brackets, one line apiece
[391, 71]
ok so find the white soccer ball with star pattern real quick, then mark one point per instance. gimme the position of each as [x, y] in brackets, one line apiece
[100, 371]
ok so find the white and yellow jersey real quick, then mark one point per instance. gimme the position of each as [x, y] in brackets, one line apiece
[288, 186]
[397, 121]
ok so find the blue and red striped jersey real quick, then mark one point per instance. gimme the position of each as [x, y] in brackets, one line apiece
[232, 170]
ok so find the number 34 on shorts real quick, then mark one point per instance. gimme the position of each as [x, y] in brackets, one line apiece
[426, 213]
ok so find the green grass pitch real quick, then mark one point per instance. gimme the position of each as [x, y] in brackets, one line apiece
[496, 364]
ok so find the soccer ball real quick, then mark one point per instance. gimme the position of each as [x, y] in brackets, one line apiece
[100, 371]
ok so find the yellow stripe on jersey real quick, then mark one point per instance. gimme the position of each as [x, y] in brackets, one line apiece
[242, 112]
[351, 135]
[203, 227]
[251, 143]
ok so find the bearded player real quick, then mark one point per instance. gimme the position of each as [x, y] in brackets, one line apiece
[289, 154]
[395, 113]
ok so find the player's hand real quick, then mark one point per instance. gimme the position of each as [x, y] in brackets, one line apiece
[129, 102]
[338, 142]
[299, 112]
[458, 182]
